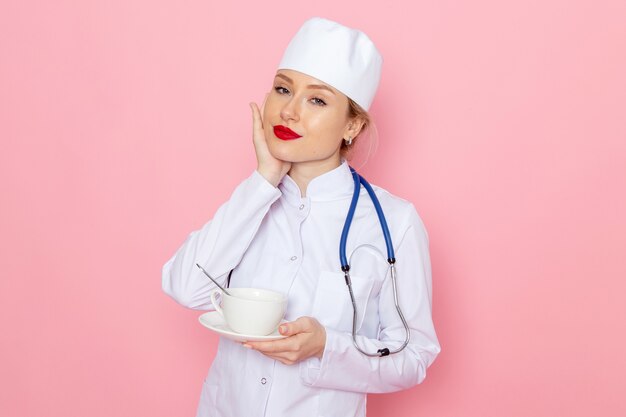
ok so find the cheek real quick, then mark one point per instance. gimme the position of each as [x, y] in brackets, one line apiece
[268, 130]
[270, 110]
[329, 135]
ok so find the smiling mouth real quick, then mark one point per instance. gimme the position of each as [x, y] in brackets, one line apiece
[284, 133]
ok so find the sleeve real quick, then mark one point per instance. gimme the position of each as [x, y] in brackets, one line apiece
[219, 245]
[343, 367]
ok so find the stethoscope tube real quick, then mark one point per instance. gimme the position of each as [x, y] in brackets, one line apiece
[345, 265]
[358, 180]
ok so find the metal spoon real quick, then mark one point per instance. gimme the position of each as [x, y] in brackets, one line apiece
[214, 281]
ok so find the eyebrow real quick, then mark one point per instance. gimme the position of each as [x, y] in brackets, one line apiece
[322, 87]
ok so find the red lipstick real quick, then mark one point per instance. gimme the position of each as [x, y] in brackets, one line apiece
[284, 133]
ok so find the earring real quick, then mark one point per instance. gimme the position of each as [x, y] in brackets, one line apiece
[349, 140]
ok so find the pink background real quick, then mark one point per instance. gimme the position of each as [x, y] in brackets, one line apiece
[125, 124]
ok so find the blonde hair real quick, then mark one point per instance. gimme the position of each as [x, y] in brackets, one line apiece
[357, 112]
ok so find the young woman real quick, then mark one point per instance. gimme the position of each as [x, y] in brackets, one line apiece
[281, 230]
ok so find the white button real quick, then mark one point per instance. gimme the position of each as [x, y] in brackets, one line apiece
[263, 381]
[301, 206]
[293, 258]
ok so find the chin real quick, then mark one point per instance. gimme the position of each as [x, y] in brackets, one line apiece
[287, 151]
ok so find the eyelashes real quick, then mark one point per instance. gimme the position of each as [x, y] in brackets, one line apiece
[319, 101]
[316, 100]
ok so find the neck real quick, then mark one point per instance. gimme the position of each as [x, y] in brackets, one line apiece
[303, 172]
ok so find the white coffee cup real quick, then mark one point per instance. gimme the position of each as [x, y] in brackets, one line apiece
[251, 311]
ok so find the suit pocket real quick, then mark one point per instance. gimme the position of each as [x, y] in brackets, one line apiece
[332, 305]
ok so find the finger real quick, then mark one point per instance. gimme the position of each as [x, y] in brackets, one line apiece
[301, 325]
[263, 104]
[252, 107]
[265, 347]
[275, 346]
[257, 123]
[284, 357]
[281, 359]
[255, 112]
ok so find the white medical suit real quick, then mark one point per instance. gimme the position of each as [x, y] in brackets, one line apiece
[276, 239]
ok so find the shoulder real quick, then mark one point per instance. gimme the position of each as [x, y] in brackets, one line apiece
[400, 213]
[395, 204]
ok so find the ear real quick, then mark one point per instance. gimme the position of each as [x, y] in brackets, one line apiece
[354, 127]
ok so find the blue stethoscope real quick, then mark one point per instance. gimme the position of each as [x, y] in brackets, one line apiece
[345, 265]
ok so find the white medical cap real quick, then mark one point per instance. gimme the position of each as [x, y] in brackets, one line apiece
[340, 56]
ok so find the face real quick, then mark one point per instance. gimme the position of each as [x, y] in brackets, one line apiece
[314, 110]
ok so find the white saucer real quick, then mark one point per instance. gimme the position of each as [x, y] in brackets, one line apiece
[212, 320]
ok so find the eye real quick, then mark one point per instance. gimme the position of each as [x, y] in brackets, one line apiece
[281, 90]
[318, 101]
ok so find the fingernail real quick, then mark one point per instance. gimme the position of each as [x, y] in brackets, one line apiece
[282, 329]
[247, 346]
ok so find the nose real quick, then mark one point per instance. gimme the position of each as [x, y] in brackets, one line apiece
[290, 110]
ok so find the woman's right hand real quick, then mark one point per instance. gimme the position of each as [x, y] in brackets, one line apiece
[272, 169]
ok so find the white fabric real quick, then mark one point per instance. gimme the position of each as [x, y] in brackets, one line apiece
[342, 57]
[276, 239]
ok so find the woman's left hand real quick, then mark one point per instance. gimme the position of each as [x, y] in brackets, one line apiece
[306, 339]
